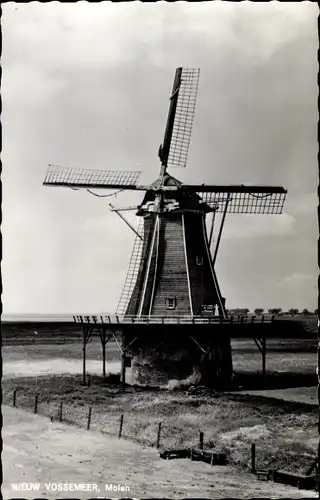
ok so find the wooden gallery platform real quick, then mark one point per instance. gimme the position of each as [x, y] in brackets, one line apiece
[189, 350]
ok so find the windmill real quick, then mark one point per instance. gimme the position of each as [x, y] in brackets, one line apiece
[172, 268]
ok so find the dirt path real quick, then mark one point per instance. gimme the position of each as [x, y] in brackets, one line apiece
[58, 366]
[307, 395]
[39, 451]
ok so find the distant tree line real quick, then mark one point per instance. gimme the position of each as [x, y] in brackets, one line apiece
[276, 311]
[238, 311]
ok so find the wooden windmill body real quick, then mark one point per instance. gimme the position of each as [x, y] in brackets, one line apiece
[172, 268]
[176, 276]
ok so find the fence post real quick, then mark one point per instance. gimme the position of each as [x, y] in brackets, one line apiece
[121, 425]
[60, 412]
[201, 440]
[36, 403]
[89, 418]
[253, 458]
[14, 398]
[159, 434]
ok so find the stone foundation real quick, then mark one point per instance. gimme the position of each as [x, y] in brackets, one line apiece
[172, 361]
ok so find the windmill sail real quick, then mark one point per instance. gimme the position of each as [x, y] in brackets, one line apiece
[133, 269]
[267, 200]
[88, 178]
[246, 203]
[174, 151]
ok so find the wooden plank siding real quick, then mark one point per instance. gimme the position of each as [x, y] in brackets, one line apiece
[203, 290]
[150, 272]
[166, 271]
[171, 280]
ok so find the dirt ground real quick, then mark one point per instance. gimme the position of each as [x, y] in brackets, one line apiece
[37, 450]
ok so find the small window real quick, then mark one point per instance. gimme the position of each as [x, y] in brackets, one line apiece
[199, 260]
[171, 302]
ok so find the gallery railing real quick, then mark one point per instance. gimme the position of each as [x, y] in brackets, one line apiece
[105, 319]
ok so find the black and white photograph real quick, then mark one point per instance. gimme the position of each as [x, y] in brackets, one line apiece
[159, 270]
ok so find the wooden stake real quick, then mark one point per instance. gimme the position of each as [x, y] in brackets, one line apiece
[14, 398]
[89, 418]
[201, 440]
[253, 458]
[159, 434]
[36, 403]
[60, 412]
[121, 425]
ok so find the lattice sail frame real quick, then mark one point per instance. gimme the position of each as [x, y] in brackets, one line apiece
[89, 178]
[246, 203]
[183, 121]
[133, 270]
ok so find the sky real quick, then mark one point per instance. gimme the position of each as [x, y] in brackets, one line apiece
[87, 86]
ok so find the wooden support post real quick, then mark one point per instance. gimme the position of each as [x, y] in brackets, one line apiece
[201, 440]
[103, 353]
[89, 418]
[264, 354]
[211, 229]
[123, 362]
[36, 403]
[220, 231]
[253, 458]
[120, 427]
[84, 356]
[87, 330]
[60, 412]
[14, 404]
[159, 434]
[125, 220]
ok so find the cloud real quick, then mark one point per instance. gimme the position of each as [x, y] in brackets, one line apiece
[88, 85]
[304, 204]
[298, 280]
[255, 226]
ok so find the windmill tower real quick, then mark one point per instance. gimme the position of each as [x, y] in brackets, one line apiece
[172, 268]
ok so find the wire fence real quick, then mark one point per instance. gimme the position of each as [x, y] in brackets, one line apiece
[156, 433]
[84, 416]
